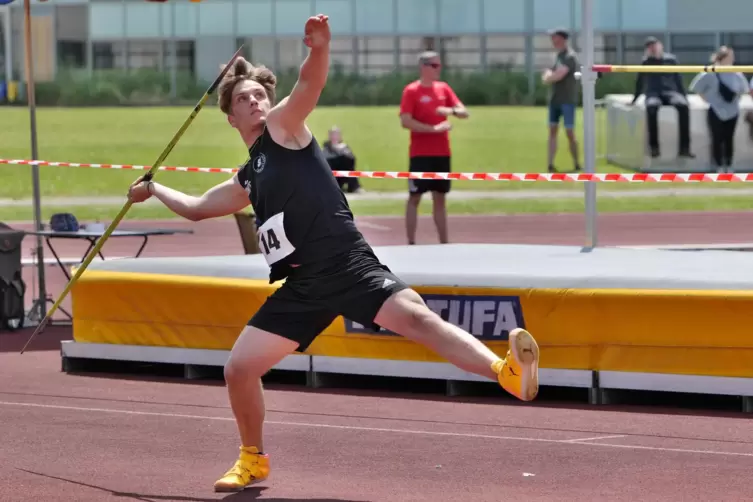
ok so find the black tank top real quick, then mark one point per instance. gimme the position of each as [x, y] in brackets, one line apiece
[302, 214]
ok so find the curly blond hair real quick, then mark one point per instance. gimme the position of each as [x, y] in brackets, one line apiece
[243, 70]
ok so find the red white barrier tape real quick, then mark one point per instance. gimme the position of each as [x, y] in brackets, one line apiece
[557, 177]
[118, 166]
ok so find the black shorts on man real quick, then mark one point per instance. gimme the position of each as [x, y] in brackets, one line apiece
[307, 235]
[429, 165]
[354, 285]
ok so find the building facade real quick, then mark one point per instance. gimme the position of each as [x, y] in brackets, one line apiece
[369, 36]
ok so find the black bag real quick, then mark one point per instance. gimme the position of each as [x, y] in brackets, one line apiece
[12, 303]
[727, 94]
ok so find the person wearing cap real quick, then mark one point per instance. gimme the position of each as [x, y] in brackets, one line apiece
[663, 89]
[563, 97]
[341, 158]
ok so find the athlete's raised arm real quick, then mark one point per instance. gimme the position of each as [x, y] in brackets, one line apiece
[221, 200]
[289, 115]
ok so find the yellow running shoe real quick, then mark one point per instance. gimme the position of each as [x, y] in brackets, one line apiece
[249, 469]
[518, 372]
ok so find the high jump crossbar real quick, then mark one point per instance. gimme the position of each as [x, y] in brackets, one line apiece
[608, 68]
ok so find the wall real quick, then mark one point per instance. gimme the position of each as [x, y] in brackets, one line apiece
[375, 36]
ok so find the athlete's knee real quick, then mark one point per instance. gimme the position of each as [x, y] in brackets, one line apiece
[409, 313]
[254, 354]
[239, 371]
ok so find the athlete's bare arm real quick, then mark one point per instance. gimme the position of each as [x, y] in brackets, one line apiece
[287, 120]
[221, 200]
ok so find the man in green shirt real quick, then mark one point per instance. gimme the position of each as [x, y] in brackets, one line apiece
[563, 97]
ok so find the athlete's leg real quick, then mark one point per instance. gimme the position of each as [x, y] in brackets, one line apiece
[406, 313]
[365, 291]
[285, 323]
[255, 353]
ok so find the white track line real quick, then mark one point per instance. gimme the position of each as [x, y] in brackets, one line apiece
[578, 440]
[360, 222]
[379, 429]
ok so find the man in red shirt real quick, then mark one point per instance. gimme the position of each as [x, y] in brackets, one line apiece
[424, 110]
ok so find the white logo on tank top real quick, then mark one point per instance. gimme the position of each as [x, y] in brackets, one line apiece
[259, 162]
[273, 242]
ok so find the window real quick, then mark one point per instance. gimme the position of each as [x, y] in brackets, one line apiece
[290, 53]
[459, 16]
[108, 55]
[411, 47]
[71, 54]
[462, 53]
[374, 17]
[376, 55]
[416, 16]
[259, 50]
[184, 56]
[342, 53]
[742, 44]
[144, 53]
[693, 48]
[506, 50]
[71, 31]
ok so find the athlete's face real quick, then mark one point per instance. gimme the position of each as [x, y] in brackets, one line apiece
[250, 105]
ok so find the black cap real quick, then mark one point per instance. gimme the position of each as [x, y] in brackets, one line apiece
[650, 41]
[561, 32]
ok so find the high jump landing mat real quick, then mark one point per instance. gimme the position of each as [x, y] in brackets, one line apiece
[605, 318]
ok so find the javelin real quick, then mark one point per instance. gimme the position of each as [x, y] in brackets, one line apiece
[609, 68]
[148, 176]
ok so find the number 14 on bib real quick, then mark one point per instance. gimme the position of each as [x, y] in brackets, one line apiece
[273, 242]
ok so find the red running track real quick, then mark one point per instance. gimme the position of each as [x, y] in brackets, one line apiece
[110, 438]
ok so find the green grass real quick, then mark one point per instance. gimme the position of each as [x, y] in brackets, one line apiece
[479, 206]
[495, 139]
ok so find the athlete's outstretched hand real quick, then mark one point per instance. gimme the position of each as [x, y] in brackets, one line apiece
[317, 32]
[139, 191]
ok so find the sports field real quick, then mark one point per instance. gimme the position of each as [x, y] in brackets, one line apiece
[494, 139]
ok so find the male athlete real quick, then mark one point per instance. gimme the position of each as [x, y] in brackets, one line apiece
[308, 237]
[425, 109]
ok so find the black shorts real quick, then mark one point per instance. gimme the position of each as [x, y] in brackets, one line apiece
[354, 285]
[429, 165]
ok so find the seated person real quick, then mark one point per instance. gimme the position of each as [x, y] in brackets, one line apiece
[341, 158]
[663, 89]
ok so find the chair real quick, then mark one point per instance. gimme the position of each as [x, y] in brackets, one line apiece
[247, 227]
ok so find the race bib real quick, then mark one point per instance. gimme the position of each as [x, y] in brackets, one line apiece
[273, 243]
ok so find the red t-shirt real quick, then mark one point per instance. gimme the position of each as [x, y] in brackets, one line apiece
[422, 103]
